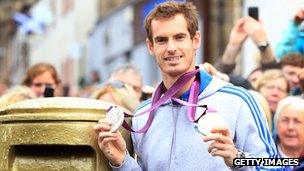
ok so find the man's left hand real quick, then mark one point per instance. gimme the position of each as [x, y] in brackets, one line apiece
[222, 144]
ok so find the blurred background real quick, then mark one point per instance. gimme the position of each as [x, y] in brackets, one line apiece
[85, 40]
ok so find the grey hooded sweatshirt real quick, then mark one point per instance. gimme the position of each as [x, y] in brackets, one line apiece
[173, 144]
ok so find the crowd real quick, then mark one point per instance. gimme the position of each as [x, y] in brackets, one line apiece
[267, 121]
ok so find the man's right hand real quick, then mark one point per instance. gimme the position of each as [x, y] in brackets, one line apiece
[111, 144]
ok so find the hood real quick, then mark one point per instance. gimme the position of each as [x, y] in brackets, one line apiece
[214, 85]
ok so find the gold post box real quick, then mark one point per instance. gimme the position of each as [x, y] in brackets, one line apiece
[49, 134]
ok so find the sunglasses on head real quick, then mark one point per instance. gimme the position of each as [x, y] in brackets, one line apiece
[116, 84]
[119, 84]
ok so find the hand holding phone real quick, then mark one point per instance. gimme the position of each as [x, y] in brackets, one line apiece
[253, 12]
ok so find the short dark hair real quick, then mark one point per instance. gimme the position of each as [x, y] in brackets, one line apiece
[169, 9]
[294, 59]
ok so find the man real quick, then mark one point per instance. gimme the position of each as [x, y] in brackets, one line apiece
[172, 142]
[292, 63]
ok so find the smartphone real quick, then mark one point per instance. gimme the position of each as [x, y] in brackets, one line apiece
[253, 12]
[48, 92]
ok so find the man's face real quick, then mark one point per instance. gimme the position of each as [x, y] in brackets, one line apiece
[172, 46]
[291, 74]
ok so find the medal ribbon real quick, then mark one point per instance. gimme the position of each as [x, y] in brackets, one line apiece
[158, 100]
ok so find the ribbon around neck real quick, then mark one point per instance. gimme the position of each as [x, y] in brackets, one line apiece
[161, 96]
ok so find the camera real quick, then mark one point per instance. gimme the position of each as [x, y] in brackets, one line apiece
[48, 91]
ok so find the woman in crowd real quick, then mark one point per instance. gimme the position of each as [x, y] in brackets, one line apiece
[16, 94]
[273, 86]
[42, 76]
[118, 93]
[289, 124]
[123, 88]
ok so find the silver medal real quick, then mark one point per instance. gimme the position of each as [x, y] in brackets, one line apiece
[209, 121]
[116, 117]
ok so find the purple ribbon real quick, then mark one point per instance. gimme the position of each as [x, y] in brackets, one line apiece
[158, 100]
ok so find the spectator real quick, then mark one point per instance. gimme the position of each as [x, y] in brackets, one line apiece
[16, 94]
[118, 93]
[273, 86]
[292, 64]
[293, 37]
[289, 124]
[244, 28]
[40, 76]
[123, 87]
[247, 27]
[254, 75]
[130, 75]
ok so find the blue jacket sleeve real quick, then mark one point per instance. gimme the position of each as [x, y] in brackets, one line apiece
[288, 41]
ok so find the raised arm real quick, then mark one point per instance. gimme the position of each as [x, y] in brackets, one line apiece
[236, 40]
